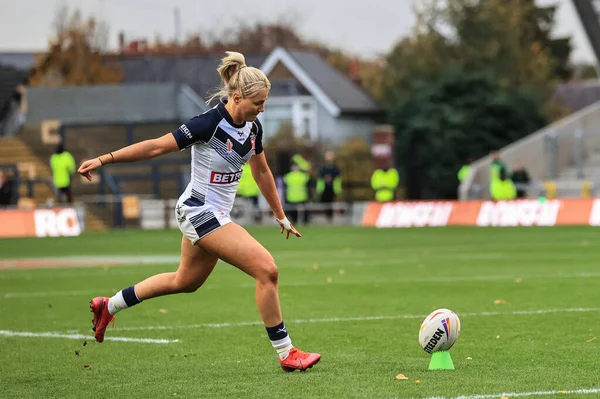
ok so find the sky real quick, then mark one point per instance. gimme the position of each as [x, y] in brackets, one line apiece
[337, 23]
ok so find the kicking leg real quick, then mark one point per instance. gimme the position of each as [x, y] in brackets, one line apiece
[195, 266]
[233, 244]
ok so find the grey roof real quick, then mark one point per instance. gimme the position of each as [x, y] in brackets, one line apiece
[578, 95]
[287, 88]
[198, 72]
[104, 103]
[18, 60]
[342, 91]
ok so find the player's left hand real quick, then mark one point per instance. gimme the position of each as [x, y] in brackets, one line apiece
[87, 167]
[288, 228]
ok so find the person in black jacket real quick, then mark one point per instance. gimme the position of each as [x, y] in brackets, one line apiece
[329, 184]
[521, 179]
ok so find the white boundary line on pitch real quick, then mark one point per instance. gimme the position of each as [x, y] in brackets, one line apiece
[45, 294]
[521, 394]
[29, 334]
[363, 318]
[448, 279]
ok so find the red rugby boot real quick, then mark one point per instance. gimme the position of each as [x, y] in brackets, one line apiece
[99, 306]
[299, 360]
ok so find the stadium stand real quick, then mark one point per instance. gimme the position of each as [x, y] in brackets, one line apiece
[99, 119]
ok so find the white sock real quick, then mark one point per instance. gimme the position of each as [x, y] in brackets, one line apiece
[123, 299]
[283, 347]
[116, 303]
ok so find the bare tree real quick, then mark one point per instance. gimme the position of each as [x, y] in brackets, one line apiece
[75, 54]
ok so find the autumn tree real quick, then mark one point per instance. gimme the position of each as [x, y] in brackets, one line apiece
[457, 115]
[474, 76]
[585, 71]
[252, 39]
[509, 38]
[74, 56]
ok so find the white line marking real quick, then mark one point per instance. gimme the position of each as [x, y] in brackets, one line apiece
[521, 394]
[443, 279]
[86, 261]
[43, 294]
[448, 279]
[29, 334]
[359, 318]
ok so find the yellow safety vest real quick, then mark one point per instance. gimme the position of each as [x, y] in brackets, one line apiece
[296, 190]
[63, 166]
[385, 183]
[247, 186]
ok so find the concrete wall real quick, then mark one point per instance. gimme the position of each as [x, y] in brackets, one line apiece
[537, 155]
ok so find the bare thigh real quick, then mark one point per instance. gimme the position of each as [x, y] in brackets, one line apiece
[233, 244]
[195, 265]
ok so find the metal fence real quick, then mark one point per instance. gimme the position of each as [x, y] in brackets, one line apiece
[145, 212]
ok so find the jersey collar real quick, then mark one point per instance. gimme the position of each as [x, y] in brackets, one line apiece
[225, 114]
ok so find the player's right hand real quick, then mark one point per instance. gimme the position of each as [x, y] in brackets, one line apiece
[287, 226]
[89, 166]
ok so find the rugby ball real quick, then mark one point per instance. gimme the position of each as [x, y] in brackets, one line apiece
[439, 331]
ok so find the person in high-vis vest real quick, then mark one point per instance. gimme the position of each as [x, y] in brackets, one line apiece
[248, 189]
[296, 192]
[497, 167]
[301, 160]
[329, 184]
[503, 189]
[63, 168]
[303, 163]
[385, 183]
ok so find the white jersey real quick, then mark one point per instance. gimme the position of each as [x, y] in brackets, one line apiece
[220, 148]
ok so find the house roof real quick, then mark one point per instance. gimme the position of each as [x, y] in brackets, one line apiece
[18, 60]
[332, 89]
[578, 95]
[338, 94]
[198, 72]
[104, 103]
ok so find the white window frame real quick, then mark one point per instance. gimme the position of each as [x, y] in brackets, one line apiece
[298, 114]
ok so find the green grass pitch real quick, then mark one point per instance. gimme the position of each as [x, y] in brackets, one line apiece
[355, 295]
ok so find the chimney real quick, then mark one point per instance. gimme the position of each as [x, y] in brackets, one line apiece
[133, 47]
[354, 71]
[121, 42]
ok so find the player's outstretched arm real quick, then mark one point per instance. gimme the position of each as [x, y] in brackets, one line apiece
[264, 179]
[146, 149]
